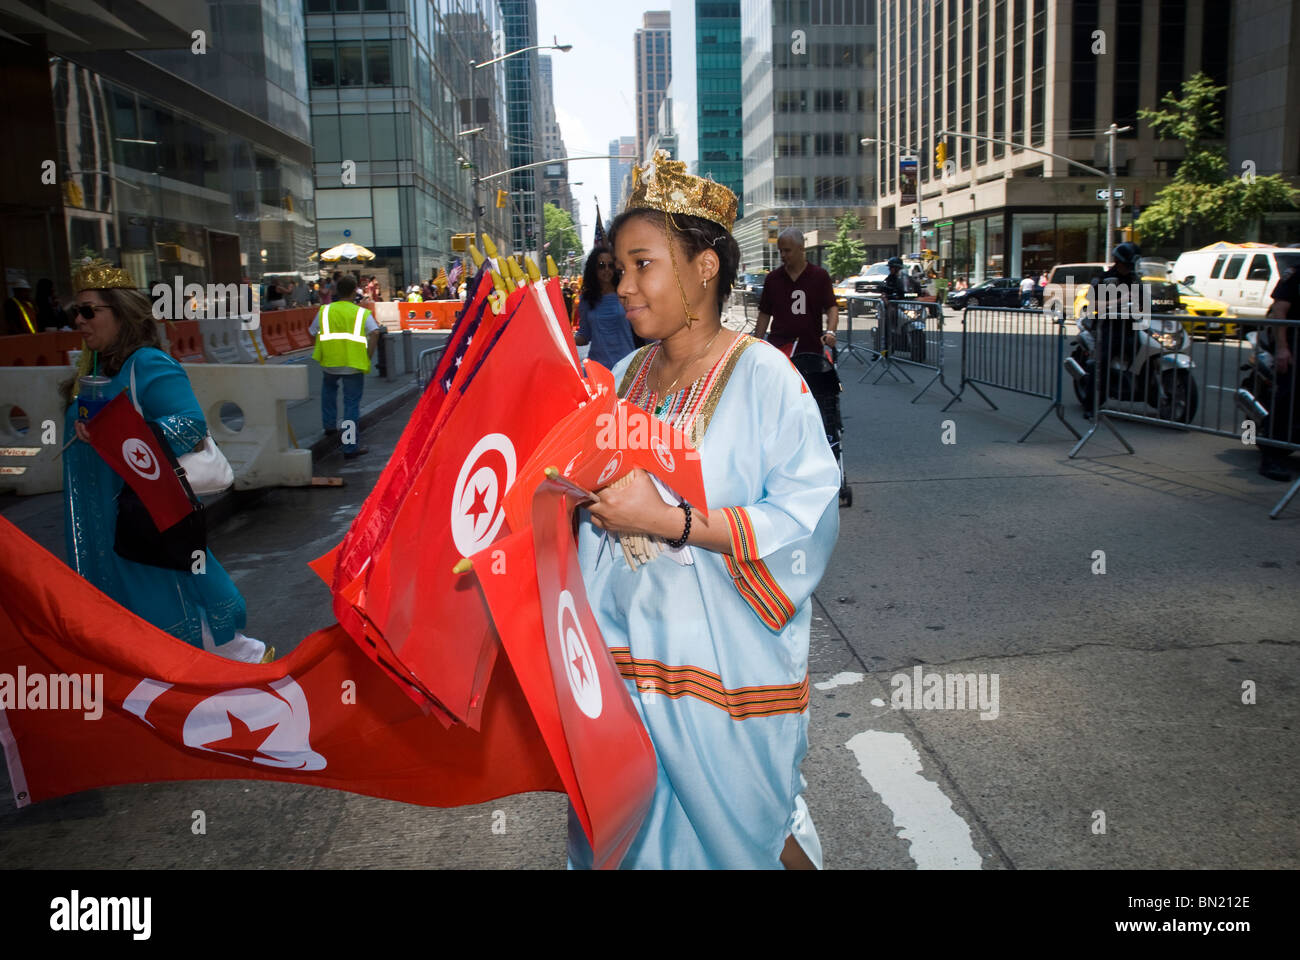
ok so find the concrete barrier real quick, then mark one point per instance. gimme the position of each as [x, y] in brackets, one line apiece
[221, 341]
[259, 449]
[388, 315]
[27, 465]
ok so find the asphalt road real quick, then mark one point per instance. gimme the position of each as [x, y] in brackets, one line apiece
[1121, 739]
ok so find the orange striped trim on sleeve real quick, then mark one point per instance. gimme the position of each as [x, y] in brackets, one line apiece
[653, 677]
[751, 576]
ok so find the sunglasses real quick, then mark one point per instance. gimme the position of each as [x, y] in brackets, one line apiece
[604, 266]
[88, 312]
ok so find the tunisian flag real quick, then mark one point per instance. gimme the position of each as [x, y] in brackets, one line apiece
[433, 620]
[324, 715]
[601, 749]
[127, 444]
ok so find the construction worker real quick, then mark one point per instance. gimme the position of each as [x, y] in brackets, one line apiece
[346, 335]
[413, 295]
[20, 309]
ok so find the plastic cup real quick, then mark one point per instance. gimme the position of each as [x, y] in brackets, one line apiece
[92, 396]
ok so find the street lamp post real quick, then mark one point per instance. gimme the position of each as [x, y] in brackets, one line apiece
[474, 67]
[920, 221]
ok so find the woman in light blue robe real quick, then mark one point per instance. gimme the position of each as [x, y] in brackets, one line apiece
[203, 609]
[712, 640]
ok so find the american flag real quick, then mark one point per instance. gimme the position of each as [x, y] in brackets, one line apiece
[462, 334]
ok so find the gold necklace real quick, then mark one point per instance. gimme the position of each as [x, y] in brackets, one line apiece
[664, 394]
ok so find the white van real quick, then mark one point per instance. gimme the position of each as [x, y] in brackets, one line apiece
[1242, 277]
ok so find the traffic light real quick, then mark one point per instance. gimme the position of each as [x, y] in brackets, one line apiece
[501, 199]
[940, 155]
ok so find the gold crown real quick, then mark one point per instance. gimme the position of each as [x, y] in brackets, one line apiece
[97, 274]
[671, 189]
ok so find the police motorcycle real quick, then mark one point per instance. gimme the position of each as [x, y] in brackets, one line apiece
[1154, 365]
[902, 329]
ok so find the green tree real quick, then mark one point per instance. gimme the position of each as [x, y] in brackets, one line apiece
[1204, 197]
[561, 237]
[845, 255]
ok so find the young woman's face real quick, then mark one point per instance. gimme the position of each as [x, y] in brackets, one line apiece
[102, 329]
[651, 297]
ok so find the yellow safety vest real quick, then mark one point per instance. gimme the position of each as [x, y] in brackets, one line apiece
[341, 341]
[22, 308]
[414, 298]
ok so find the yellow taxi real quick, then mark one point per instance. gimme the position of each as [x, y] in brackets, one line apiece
[1212, 310]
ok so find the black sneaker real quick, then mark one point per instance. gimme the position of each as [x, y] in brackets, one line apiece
[359, 451]
[1274, 470]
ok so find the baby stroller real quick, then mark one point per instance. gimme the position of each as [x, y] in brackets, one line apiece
[818, 371]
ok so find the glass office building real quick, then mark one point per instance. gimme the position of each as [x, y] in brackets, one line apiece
[807, 99]
[706, 90]
[523, 128]
[390, 85]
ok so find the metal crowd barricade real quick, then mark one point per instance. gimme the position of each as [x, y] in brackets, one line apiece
[858, 306]
[426, 363]
[911, 332]
[1014, 349]
[1224, 384]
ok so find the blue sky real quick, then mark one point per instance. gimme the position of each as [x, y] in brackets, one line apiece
[594, 87]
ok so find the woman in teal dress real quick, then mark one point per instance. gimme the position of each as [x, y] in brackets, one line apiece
[204, 609]
[711, 632]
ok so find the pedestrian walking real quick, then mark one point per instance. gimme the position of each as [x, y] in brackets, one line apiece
[709, 628]
[204, 609]
[795, 297]
[346, 335]
[1027, 292]
[601, 320]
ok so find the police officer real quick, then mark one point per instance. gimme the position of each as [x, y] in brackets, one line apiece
[1282, 421]
[1114, 308]
[895, 288]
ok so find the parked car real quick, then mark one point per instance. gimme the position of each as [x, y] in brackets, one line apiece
[998, 292]
[750, 285]
[1242, 276]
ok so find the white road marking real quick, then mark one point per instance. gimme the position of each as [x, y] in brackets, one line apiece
[938, 838]
[839, 680]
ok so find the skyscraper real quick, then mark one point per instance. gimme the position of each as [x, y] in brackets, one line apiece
[524, 131]
[555, 190]
[1032, 73]
[385, 125]
[808, 99]
[706, 90]
[618, 171]
[652, 49]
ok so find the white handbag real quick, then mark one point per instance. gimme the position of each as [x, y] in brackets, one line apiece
[207, 470]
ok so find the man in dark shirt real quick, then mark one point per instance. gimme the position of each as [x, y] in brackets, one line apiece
[1113, 316]
[795, 295]
[1282, 416]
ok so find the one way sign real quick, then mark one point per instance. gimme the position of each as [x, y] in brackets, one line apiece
[1104, 194]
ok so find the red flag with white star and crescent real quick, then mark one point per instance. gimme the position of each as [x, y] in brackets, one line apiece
[127, 444]
[434, 621]
[323, 715]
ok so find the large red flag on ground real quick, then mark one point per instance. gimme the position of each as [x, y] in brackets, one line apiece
[434, 621]
[324, 715]
[127, 444]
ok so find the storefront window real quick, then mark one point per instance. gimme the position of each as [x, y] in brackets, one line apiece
[995, 264]
[1079, 238]
[1033, 244]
